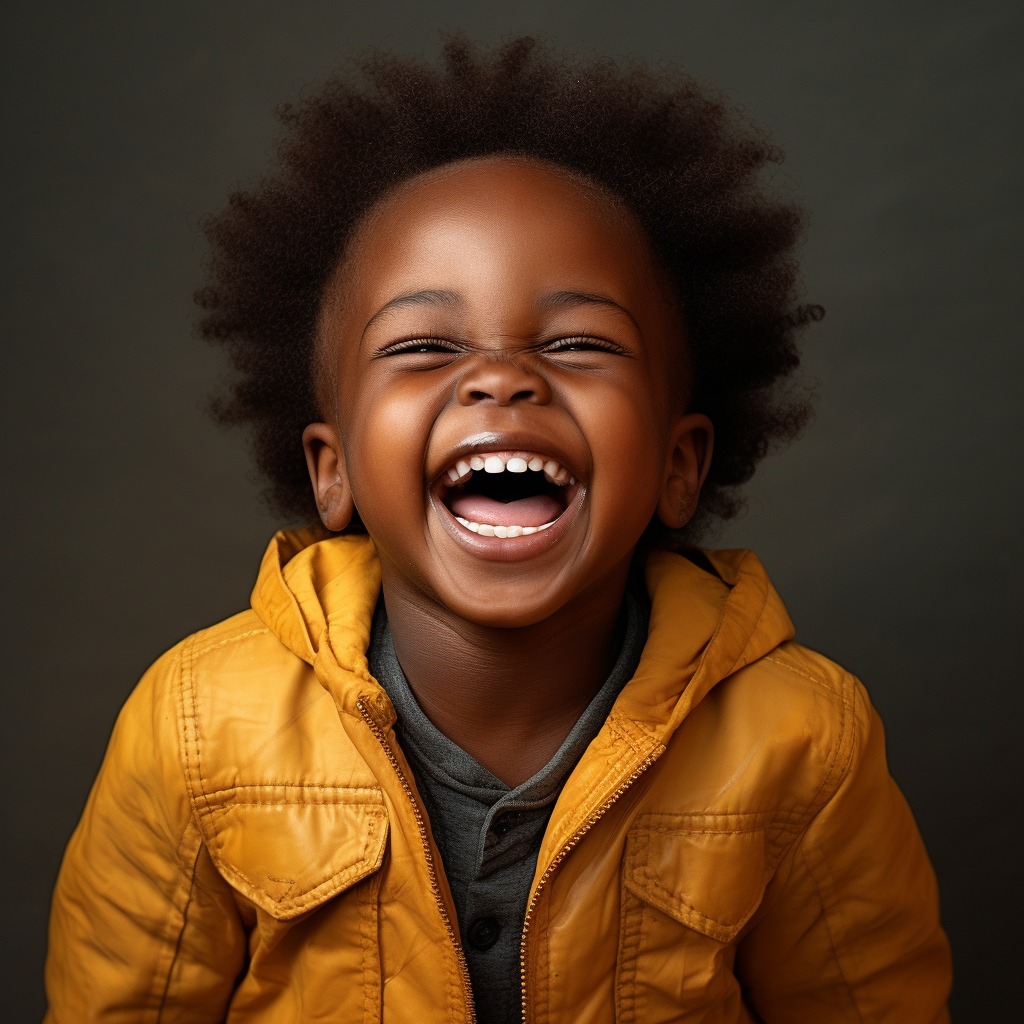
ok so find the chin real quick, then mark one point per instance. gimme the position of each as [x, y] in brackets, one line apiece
[504, 606]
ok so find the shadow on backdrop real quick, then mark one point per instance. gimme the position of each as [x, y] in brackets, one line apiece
[890, 528]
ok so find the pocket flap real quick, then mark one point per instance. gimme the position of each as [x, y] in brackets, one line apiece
[293, 849]
[708, 871]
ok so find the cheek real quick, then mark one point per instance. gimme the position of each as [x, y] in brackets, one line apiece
[625, 437]
[385, 441]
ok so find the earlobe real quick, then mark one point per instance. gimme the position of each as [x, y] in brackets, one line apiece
[325, 460]
[686, 467]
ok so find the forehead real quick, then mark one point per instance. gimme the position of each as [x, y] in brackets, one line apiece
[502, 223]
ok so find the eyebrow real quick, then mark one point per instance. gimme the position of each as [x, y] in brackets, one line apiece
[439, 297]
[428, 297]
[570, 298]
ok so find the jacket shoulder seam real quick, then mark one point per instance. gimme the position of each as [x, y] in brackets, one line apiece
[229, 640]
[190, 736]
[818, 680]
[845, 693]
[836, 764]
[836, 773]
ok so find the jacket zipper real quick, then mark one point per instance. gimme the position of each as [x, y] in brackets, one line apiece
[562, 854]
[431, 870]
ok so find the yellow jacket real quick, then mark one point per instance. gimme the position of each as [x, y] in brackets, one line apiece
[730, 848]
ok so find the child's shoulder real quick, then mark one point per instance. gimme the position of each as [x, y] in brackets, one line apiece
[802, 672]
[800, 694]
[238, 696]
[246, 627]
[239, 653]
[788, 729]
[759, 665]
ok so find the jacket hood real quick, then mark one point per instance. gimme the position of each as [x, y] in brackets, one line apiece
[317, 595]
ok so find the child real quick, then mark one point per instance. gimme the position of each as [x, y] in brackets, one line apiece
[497, 742]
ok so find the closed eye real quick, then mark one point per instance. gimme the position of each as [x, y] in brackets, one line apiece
[420, 346]
[582, 343]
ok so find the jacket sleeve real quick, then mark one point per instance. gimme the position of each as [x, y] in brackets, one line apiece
[142, 927]
[849, 926]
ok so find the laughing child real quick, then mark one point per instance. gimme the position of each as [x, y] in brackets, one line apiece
[495, 741]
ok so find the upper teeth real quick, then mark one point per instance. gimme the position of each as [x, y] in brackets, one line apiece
[554, 472]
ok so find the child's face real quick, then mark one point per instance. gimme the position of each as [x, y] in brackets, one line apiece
[497, 314]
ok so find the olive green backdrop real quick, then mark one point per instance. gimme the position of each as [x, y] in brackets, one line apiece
[891, 528]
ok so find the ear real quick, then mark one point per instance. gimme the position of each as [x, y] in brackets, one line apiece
[325, 459]
[686, 466]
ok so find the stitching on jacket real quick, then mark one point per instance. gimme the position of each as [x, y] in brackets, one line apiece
[845, 691]
[181, 933]
[294, 795]
[630, 929]
[573, 822]
[831, 937]
[767, 815]
[846, 737]
[223, 808]
[617, 725]
[187, 715]
[364, 911]
[814, 876]
[779, 816]
[190, 820]
[834, 773]
[295, 785]
[369, 894]
[289, 881]
[822, 680]
[230, 640]
[665, 831]
[195, 730]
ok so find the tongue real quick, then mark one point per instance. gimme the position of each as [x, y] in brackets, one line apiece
[534, 511]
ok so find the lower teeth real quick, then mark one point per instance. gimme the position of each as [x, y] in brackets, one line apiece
[486, 530]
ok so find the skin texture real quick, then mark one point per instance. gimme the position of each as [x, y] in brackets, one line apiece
[530, 316]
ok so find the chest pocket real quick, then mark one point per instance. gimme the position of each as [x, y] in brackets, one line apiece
[689, 884]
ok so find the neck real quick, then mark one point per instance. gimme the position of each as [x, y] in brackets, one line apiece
[508, 697]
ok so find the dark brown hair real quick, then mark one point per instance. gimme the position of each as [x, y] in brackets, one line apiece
[687, 167]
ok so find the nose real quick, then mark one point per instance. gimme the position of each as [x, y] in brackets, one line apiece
[503, 380]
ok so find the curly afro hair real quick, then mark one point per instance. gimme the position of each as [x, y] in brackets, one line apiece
[687, 167]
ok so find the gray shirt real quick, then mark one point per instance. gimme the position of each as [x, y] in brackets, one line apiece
[489, 834]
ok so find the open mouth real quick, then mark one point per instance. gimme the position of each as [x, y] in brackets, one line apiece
[507, 494]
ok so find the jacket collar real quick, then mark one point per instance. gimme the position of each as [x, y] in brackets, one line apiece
[317, 594]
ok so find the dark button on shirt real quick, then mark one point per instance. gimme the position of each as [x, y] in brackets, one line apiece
[489, 834]
[483, 932]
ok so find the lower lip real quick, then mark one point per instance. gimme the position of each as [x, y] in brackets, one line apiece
[509, 549]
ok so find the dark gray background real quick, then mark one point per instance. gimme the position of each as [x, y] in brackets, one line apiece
[891, 528]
